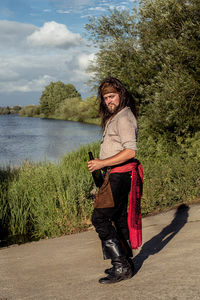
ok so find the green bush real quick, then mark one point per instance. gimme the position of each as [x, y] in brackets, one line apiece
[171, 171]
[29, 111]
[75, 109]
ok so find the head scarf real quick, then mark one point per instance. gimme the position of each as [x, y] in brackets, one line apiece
[108, 88]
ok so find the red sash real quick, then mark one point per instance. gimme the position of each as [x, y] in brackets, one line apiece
[134, 211]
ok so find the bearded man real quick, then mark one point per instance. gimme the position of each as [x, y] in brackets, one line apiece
[117, 152]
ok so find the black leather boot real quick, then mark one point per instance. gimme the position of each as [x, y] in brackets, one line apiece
[126, 245]
[121, 271]
[112, 248]
[109, 271]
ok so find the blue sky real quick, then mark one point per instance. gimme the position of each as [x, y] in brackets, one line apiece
[43, 41]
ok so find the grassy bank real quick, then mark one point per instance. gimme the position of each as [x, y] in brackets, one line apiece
[46, 200]
[87, 120]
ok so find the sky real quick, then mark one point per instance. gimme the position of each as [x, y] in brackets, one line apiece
[43, 41]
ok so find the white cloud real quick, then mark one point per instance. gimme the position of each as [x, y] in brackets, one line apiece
[7, 75]
[84, 60]
[24, 85]
[34, 85]
[53, 34]
[46, 10]
[74, 4]
[30, 72]
[61, 11]
[85, 16]
[13, 34]
[26, 70]
[118, 7]
[98, 8]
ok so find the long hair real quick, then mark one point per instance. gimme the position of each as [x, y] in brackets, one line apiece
[126, 99]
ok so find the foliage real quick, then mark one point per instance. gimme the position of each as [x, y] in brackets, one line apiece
[16, 108]
[68, 109]
[29, 111]
[5, 110]
[54, 94]
[170, 43]
[72, 109]
[75, 109]
[88, 109]
[10, 110]
[118, 55]
[155, 52]
[171, 170]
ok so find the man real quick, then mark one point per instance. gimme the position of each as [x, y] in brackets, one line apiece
[117, 151]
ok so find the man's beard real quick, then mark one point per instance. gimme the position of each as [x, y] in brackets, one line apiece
[112, 108]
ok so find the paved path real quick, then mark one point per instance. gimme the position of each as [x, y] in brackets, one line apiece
[167, 265]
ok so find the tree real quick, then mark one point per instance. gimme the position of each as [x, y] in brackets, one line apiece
[54, 94]
[156, 53]
[116, 37]
[169, 37]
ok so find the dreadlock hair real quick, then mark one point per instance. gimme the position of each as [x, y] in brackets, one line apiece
[126, 99]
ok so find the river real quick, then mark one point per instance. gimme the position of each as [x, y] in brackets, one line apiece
[35, 139]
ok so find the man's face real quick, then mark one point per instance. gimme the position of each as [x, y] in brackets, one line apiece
[112, 101]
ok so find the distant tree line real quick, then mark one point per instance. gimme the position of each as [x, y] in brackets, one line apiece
[10, 110]
[63, 101]
[59, 101]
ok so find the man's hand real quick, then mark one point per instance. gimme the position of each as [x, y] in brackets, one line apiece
[117, 159]
[95, 164]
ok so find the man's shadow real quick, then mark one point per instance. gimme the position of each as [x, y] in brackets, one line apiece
[158, 242]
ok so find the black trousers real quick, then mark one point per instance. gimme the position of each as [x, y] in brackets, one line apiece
[111, 223]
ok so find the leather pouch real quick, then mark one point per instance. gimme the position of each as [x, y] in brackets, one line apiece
[104, 197]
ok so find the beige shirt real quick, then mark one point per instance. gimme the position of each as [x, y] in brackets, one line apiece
[120, 133]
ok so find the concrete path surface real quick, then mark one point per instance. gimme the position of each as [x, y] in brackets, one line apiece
[167, 264]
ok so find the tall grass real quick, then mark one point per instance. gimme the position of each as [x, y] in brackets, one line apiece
[46, 200]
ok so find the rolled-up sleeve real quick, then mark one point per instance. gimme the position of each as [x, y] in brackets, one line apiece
[127, 130]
